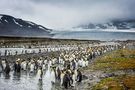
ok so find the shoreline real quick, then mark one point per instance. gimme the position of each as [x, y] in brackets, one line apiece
[91, 77]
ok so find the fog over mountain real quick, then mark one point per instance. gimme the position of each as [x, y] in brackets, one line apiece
[58, 14]
[111, 25]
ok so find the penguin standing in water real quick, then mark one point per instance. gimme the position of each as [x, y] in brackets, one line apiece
[18, 68]
[49, 64]
[7, 69]
[24, 65]
[66, 80]
[58, 73]
[45, 62]
[32, 67]
[44, 66]
[62, 77]
[3, 64]
[52, 76]
[40, 73]
[15, 66]
[0, 67]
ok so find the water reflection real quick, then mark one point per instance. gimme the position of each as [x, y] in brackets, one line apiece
[25, 81]
[7, 76]
[40, 84]
[16, 76]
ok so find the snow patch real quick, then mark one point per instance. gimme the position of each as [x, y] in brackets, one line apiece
[1, 17]
[29, 26]
[41, 27]
[116, 30]
[6, 20]
[31, 23]
[17, 23]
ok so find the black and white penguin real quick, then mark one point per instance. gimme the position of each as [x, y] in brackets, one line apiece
[86, 63]
[18, 68]
[7, 69]
[40, 73]
[62, 77]
[0, 67]
[66, 80]
[24, 65]
[73, 79]
[53, 77]
[3, 63]
[58, 73]
[43, 66]
[15, 66]
[32, 67]
[79, 76]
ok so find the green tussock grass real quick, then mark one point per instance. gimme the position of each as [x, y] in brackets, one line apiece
[116, 83]
[123, 59]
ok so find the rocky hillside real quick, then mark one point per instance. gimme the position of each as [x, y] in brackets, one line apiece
[11, 26]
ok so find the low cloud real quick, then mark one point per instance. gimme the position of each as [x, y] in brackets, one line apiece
[68, 13]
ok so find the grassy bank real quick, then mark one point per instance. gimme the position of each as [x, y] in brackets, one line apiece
[116, 83]
[121, 65]
[123, 59]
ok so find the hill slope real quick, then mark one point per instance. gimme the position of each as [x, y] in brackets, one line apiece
[11, 26]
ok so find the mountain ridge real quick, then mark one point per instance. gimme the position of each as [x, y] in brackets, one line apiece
[11, 26]
[114, 24]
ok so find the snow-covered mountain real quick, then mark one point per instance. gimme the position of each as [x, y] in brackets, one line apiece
[116, 24]
[10, 26]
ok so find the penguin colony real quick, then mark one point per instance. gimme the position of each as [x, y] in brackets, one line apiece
[64, 68]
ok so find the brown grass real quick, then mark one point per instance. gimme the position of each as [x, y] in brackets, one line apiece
[118, 60]
[116, 83]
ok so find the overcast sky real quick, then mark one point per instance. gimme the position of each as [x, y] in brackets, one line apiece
[68, 13]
